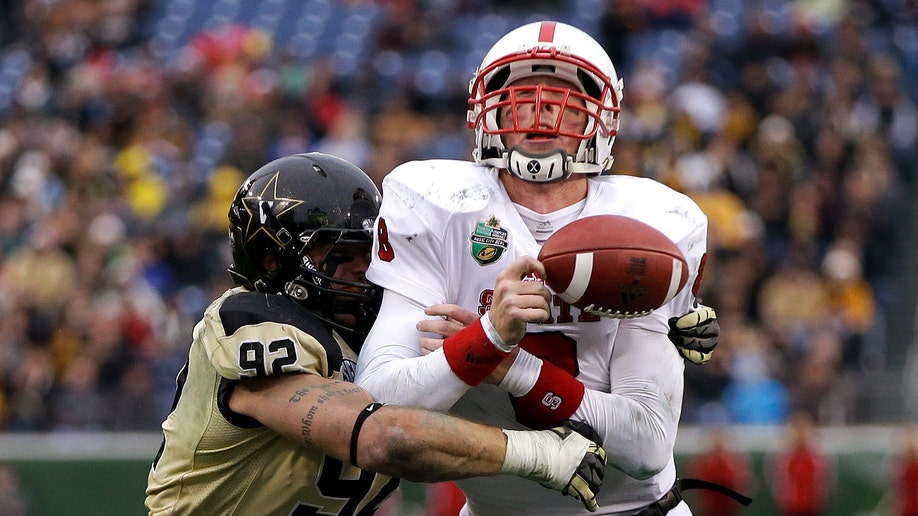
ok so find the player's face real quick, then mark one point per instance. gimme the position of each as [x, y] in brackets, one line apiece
[352, 260]
[349, 263]
[535, 121]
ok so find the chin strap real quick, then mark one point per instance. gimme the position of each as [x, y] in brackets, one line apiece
[539, 168]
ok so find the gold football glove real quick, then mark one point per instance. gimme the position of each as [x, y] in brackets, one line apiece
[568, 458]
[587, 478]
[695, 334]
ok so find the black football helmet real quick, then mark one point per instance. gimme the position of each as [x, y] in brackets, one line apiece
[284, 209]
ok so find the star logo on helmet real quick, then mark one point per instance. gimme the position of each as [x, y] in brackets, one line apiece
[258, 207]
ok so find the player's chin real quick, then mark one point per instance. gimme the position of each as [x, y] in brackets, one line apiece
[347, 320]
[545, 145]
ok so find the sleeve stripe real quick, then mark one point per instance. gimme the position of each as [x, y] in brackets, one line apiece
[674, 280]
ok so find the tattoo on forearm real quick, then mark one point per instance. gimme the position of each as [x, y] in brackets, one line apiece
[299, 394]
[304, 394]
[331, 394]
[306, 429]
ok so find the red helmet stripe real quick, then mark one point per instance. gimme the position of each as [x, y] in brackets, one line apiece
[547, 32]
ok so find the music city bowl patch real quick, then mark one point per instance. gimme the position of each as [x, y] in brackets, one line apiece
[489, 241]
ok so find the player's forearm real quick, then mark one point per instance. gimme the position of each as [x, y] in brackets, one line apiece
[392, 367]
[637, 423]
[425, 446]
[639, 416]
[408, 443]
[306, 409]
[638, 434]
[421, 381]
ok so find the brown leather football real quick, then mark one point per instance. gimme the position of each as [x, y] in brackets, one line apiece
[613, 265]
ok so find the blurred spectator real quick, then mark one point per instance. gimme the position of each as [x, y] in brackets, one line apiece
[723, 465]
[800, 475]
[346, 135]
[404, 27]
[391, 146]
[293, 136]
[210, 212]
[884, 110]
[852, 304]
[31, 381]
[132, 403]
[695, 100]
[620, 23]
[40, 274]
[13, 221]
[703, 401]
[793, 302]
[816, 385]
[904, 475]
[13, 501]
[753, 394]
[78, 404]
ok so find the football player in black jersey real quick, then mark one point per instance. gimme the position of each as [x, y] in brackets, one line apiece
[265, 419]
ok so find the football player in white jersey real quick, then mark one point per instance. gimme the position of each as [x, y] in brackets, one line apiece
[265, 420]
[455, 246]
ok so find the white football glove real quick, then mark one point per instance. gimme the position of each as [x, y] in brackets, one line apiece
[567, 458]
[695, 334]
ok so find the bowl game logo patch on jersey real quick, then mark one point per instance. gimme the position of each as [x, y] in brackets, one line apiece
[489, 241]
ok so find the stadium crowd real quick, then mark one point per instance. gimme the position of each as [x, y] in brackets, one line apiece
[792, 124]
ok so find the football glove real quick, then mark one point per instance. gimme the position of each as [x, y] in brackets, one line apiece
[562, 458]
[695, 334]
[588, 476]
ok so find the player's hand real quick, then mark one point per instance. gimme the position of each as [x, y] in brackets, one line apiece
[587, 476]
[695, 334]
[448, 320]
[519, 299]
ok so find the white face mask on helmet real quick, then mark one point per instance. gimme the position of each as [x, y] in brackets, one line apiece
[550, 49]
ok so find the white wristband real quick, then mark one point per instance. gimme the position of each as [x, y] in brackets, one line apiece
[492, 334]
[522, 375]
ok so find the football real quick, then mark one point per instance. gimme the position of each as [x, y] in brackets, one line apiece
[613, 266]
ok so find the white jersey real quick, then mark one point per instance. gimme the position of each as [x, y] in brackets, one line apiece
[446, 228]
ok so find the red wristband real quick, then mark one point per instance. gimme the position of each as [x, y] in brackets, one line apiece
[553, 399]
[471, 355]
